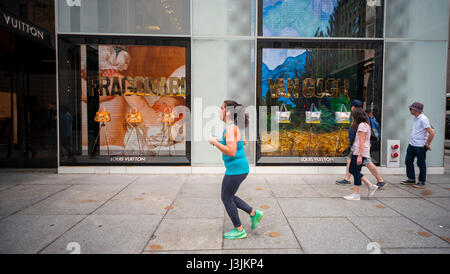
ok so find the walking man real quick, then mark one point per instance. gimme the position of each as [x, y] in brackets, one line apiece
[421, 136]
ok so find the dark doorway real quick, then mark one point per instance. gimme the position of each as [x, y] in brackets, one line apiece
[27, 103]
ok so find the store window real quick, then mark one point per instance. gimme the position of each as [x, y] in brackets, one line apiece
[305, 89]
[124, 100]
[321, 18]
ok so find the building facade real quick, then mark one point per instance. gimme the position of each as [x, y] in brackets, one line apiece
[140, 83]
[28, 116]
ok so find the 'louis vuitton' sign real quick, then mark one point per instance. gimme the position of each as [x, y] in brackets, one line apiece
[24, 28]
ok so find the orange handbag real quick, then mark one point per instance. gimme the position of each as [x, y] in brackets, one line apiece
[102, 115]
[168, 118]
[134, 116]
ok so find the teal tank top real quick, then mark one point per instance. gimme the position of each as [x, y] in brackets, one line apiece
[238, 164]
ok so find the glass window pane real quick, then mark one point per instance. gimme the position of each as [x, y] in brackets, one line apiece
[223, 17]
[124, 103]
[321, 18]
[408, 78]
[222, 70]
[307, 89]
[118, 16]
[402, 19]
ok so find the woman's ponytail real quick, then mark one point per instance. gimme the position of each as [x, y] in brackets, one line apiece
[238, 113]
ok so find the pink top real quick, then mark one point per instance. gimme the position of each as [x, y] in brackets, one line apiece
[363, 127]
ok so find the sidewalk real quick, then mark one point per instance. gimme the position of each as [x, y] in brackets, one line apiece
[44, 212]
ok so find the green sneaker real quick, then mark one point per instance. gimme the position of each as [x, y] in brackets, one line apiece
[235, 234]
[256, 218]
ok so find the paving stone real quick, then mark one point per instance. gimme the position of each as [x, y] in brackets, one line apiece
[78, 199]
[23, 196]
[58, 179]
[108, 234]
[204, 179]
[370, 208]
[332, 190]
[201, 190]
[196, 208]
[187, 234]
[246, 191]
[141, 199]
[390, 191]
[438, 179]
[255, 179]
[286, 179]
[440, 227]
[321, 179]
[29, 234]
[415, 208]
[116, 179]
[315, 207]
[135, 204]
[160, 179]
[443, 202]
[4, 186]
[293, 190]
[396, 232]
[234, 251]
[16, 177]
[394, 179]
[417, 251]
[272, 232]
[429, 190]
[329, 236]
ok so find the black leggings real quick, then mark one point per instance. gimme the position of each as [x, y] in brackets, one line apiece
[230, 186]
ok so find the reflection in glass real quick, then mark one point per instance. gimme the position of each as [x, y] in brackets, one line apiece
[321, 18]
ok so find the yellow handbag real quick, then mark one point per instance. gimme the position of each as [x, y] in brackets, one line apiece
[102, 115]
[134, 116]
[168, 118]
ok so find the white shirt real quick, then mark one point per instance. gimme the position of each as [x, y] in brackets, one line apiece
[363, 127]
[419, 133]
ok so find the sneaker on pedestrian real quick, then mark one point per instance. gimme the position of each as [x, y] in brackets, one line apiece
[353, 197]
[380, 185]
[372, 190]
[343, 182]
[419, 184]
[256, 218]
[235, 234]
[408, 182]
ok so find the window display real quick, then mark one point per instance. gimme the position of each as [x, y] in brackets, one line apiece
[130, 102]
[310, 85]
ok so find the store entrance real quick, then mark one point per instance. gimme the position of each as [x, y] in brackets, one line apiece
[28, 124]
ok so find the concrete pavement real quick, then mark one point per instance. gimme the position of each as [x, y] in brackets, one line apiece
[51, 213]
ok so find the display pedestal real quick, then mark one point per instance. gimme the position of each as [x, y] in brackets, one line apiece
[138, 137]
[102, 126]
[167, 137]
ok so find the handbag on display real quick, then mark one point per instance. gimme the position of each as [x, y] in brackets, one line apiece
[168, 118]
[134, 116]
[313, 115]
[342, 116]
[102, 115]
[283, 116]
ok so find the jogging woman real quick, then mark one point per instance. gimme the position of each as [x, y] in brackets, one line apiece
[232, 146]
